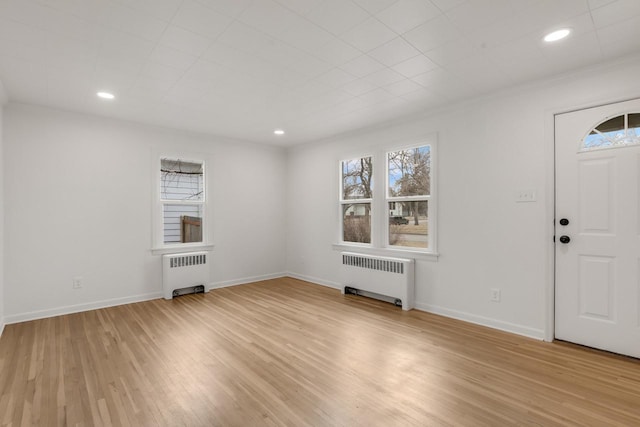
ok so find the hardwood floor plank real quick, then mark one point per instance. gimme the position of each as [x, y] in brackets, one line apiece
[288, 353]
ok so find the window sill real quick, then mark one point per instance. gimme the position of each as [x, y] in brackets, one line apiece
[396, 253]
[181, 249]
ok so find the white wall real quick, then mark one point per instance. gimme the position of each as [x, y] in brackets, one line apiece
[78, 202]
[487, 150]
[3, 101]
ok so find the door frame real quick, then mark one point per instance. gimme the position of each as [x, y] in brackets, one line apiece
[550, 185]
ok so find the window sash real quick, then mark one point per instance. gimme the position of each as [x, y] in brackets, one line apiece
[162, 203]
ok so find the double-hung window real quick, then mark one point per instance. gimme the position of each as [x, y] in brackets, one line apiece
[182, 201]
[408, 195]
[400, 213]
[356, 197]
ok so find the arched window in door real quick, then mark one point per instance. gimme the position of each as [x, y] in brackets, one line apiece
[614, 132]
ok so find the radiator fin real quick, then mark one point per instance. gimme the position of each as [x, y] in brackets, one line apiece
[373, 264]
[187, 260]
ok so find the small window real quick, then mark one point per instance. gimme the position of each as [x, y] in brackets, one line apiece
[182, 199]
[408, 194]
[355, 198]
[618, 131]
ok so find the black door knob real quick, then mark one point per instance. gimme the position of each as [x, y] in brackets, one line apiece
[564, 221]
[565, 239]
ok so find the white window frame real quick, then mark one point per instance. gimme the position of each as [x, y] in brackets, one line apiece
[159, 247]
[379, 203]
[342, 202]
[399, 199]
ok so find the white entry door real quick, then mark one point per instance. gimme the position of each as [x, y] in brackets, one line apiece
[597, 227]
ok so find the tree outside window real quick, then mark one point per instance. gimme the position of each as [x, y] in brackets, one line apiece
[356, 198]
[408, 194]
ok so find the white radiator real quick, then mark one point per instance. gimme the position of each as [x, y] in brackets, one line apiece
[184, 273]
[390, 277]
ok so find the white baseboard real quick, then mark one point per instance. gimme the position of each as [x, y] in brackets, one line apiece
[483, 321]
[42, 314]
[454, 314]
[244, 281]
[69, 309]
[314, 280]
[1, 326]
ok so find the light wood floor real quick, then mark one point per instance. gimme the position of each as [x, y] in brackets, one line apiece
[285, 352]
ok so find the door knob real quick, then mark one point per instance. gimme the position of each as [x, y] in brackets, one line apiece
[565, 239]
[564, 221]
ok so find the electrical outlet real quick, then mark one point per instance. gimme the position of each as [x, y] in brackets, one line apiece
[495, 295]
[77, 282]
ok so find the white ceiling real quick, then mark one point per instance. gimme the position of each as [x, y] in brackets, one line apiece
[316, 68]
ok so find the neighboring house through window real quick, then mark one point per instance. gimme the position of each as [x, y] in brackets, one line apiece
[182, 198]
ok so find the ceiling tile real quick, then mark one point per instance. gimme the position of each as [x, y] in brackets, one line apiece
[204, 73]
[310, 67]
[578, 52]
[359, 87]
[362, 66]
[166, 55]
[594, 4]
[301, 7]
[121, 45]
[153, 71]
[22, 34]
[335, 78]
[135, 22]
[403, 87]
[245, 38]
[472, 15]
[618, 11]
[445, 5]
[304, 35]
[394, 52]
[384, 77]
[404, 15]
[479, 72]
[232, 8]
[161, 9]
[450, 52]
[438, 78]
[376, 96]
[183, 40]
[374, 6]
[269, 17]
[369, 35]
[282, 54]
[620, 38]
[432, 34]
[417, 65]
[337, 16]
[199, 19]
[337, 52]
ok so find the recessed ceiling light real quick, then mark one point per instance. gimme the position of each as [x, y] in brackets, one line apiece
[105, 95]
[557, 35]
[278, 132]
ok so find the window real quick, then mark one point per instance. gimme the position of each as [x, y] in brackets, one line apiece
[182, 200]
[397, 215]
[355, 199]
[618, 131]
[408, 194]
